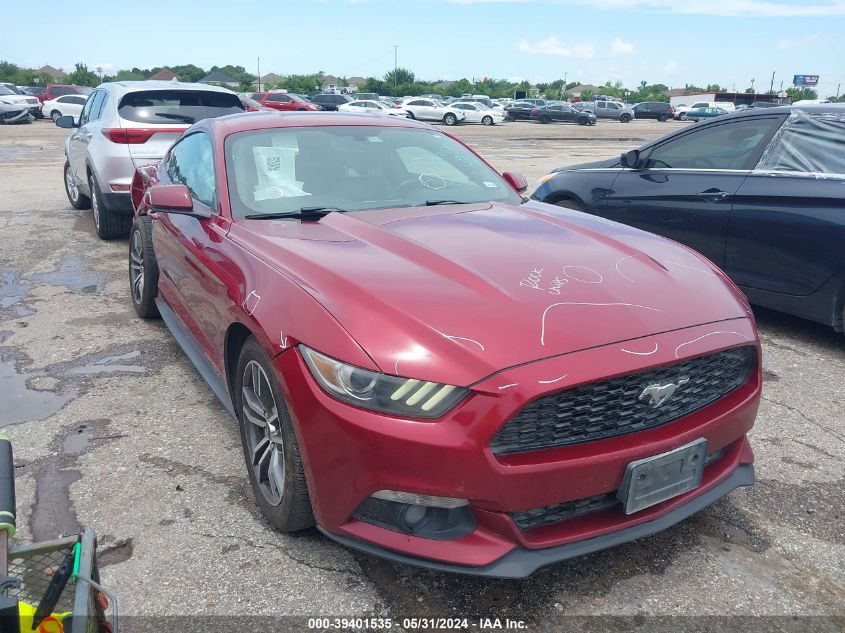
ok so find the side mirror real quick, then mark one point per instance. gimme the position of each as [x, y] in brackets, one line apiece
[66, 122]
[631, 159]
[173, 199]
[517, 181]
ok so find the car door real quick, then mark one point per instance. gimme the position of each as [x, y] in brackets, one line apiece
[686, 184]
[787, 227]
[567, 114]
[80, 137]
[184, 245]
[600, 109]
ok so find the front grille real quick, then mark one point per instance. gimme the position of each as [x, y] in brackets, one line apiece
[613, 407]
[528, 519]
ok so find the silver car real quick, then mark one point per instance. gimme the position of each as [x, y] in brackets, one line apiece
[607, 110]
[126, 125]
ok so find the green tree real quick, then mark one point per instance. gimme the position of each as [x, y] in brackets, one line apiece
[81, 76]
[189, 72]
[796, 94]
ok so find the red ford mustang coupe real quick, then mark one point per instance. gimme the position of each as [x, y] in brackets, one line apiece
[430, 367]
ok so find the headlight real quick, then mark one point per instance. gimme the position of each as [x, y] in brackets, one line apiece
[381, 392]
[544, 179]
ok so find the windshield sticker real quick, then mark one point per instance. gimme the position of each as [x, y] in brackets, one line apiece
[492, 185]
[375, 139]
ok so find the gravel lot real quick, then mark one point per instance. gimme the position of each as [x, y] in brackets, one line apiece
[113, 429]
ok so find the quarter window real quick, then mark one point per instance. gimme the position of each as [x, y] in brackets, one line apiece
[191, 163]
[735, 145]
[809, 144]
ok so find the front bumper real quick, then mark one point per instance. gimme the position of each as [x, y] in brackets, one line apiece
[521, 562]
[349, 454]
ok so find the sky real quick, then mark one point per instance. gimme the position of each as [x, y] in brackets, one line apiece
[729, 42]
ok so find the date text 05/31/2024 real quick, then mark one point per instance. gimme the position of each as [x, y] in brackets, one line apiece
[417, 624]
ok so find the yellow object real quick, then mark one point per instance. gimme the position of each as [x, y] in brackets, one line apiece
[53, 623]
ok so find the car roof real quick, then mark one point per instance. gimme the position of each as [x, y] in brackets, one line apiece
[125, 87]
[247, 122]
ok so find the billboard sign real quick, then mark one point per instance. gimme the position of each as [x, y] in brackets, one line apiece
[805, 80]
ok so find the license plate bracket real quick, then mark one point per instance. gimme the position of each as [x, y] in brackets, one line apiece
[654, 479]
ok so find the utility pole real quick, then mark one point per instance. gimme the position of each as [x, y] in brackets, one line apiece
[395, 67]
[772, 85]
[259, 74]
[838, 86]
[752, 85]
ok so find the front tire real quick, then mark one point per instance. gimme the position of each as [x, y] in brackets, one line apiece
[411, 115]
[143, 269]
[55, 114]
[269, 443]
[545, 120]
[74, 195]
[583, 121]
[487, 120]
[625, 118]
[109, 225]
[450, 119]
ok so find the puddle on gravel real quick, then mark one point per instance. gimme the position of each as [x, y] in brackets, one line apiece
[11, 290]
[110, 365]
[22, 404]
[74, 274]
[53, 514]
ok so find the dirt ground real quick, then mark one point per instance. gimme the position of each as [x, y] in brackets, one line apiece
[113, 429]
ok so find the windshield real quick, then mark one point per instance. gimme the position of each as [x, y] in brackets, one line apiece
[5, 91]
[14, 89]
[177, 106]
[354, 168]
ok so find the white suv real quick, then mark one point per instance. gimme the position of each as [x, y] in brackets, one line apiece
[431, 110]
[126, 125]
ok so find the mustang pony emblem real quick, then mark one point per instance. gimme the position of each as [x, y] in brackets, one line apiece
[658, 394]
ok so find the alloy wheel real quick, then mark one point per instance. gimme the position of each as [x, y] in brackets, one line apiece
[265, 445]
[70, 185]
[95, 202]
[136, 267]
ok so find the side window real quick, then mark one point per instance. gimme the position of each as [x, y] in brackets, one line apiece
[76, 100]
[98, 108]
[809, 144]
[416, 103]
[601, 105]
[613, 106]
[86, 111]
[735, 145]
[191, 163]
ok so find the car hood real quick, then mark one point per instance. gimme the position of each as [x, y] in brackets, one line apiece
[454, 294]
[599, 164]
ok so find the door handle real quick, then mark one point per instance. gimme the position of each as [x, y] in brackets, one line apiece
[713, 196]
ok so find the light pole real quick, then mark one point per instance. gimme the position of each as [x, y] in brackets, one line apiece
[395, 67]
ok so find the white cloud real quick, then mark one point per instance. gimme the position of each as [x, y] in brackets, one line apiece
[747, 8]
[618, 47]
[554, 47]
[788, 43]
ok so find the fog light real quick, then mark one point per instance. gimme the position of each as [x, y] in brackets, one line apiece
[413, 517]
[441, 518]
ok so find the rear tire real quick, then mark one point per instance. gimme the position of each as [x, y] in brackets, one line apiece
[55, 114]
[109, 225]
[625, 118]
[143, 269]
[569, 203]
[583, 121]
[76, 198]
[545, 120]
[663, 118]
[450, 119]
[411, 115]
[487, 120]
[269, 443]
